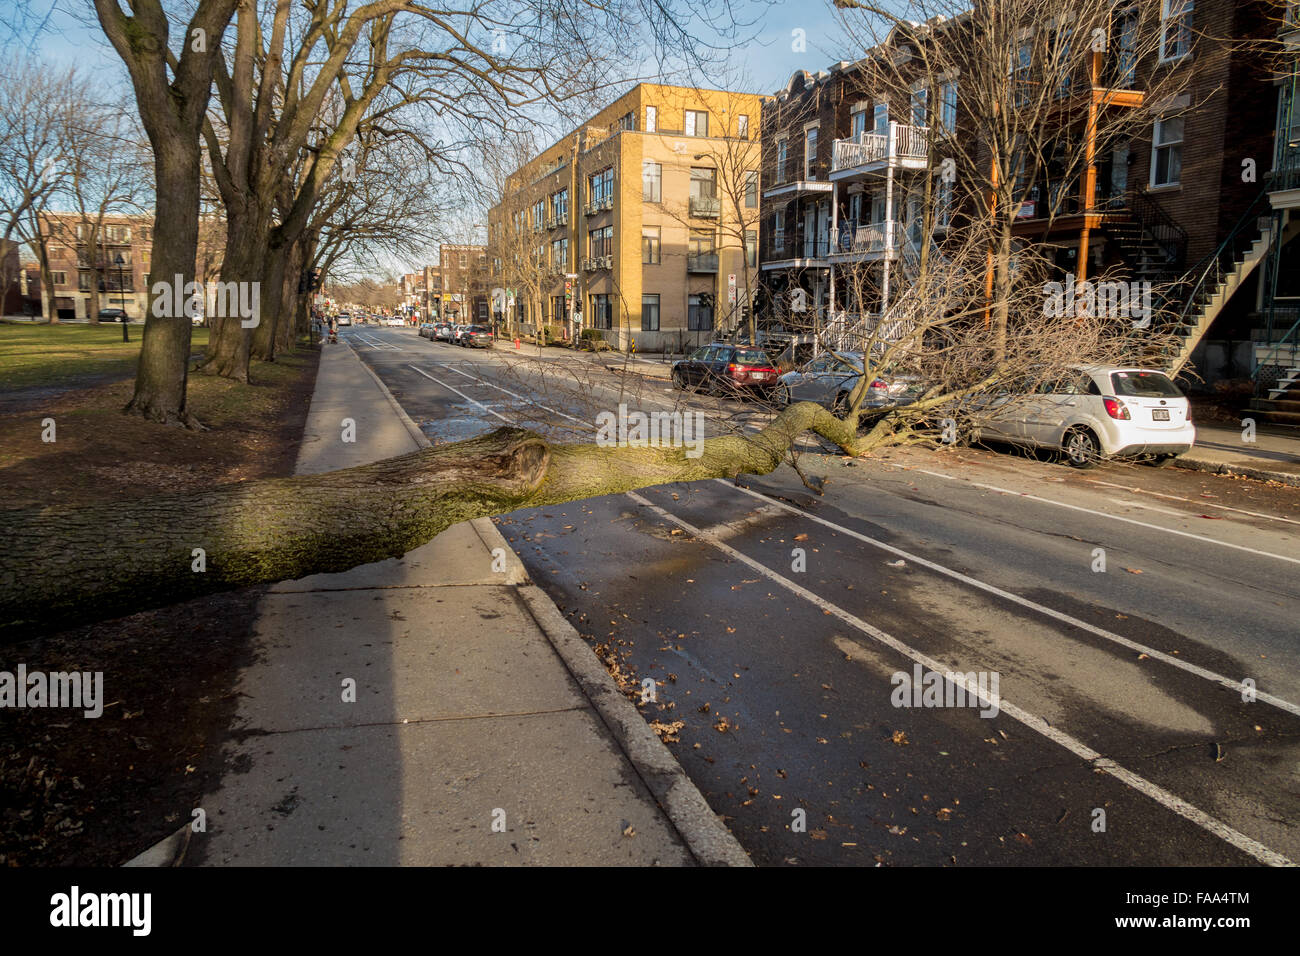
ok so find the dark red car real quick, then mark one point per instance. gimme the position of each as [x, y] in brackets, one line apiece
[727, 369]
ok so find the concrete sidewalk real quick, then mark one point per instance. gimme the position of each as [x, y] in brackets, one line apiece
[1274, 455]
[484, 730]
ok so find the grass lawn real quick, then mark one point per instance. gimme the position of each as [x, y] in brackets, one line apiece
[54, 355]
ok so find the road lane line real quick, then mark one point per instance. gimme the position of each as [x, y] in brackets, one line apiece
[483, 381]
[1166, 799]
[1103, 514]
[1064, 618]
[1191, 501]
[452, 388]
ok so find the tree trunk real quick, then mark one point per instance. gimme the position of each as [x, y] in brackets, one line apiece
[272, 291]
[65, 566]
[163, 372]
[230, 345]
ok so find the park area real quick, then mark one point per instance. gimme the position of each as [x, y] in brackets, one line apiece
[153, 751]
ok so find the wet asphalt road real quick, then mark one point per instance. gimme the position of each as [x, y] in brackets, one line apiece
[775, 625]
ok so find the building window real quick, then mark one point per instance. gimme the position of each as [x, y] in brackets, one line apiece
[650, 313]
[1167, 152]
[948, 105]
[651, 119]
[703, 182]
[1175, 28]
[650, 251]
[652, 175]
[742, 126]
[782, 155]
[751, 247]
[1021, 71]
[560, 205]
[600, 186]
[778, 230]
[558, 312]
[626, 121]
[920, 106]
[943, 204]
[880, 118]
[560, 254]
[601, 242]
[539, 214]
[602, 316]
[700, 243]
[751, 189]
[810, 153]
[697, 123]
[858, 124]
[699, 314]
[1063, 63]
[60, 278]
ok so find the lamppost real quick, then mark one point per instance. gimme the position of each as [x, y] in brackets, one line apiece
[121, 291]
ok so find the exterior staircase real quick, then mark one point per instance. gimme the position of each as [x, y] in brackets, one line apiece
[1282, 406]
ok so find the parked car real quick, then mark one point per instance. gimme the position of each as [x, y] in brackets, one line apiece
[345, 318]
[442, 331]
[1093, 412]
[477, 337]
[722, 367]
[830, 378]
[457, 334]
[113, 315]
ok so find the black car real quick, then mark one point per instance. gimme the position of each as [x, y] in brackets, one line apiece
[112, 315]
[728, 368]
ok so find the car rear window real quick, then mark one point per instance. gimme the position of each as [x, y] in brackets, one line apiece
[1144, 385]
[751, 357]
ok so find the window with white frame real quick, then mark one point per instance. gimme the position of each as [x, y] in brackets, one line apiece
[778, 230]
[880, 118]
[751, 247]
[651, 119]
[652, 175]
[1021, 70]
[919, 105]
[1175, 28]
[1167, 152]
[782, 155]
[948, 105]
[751, 189]
[943, 204]
[1063, 63]
[697, 123]
[742, 126]
[858, 123]
[650, 248]
[810, 153]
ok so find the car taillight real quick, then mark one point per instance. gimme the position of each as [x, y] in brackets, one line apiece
[880, 383]
[1116, 409]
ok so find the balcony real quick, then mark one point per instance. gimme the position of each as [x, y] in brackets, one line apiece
[790, 252]
[594, 263]
[705, 207]
[702, 262]
[797, 187]
[903, 147]
[598, 205]
[871, 240]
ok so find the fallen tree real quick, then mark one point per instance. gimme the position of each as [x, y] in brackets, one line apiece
[66, 566]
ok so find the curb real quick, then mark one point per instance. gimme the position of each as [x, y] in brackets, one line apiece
[705, 836]
[1241, 471]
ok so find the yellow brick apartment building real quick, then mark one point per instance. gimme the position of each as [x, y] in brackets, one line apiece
[642, 223]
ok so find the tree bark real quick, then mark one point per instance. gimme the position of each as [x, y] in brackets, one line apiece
[163, 372]
[66, 566]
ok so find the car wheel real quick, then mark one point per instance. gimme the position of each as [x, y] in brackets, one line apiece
[841, 405]
[1160, 461]
[781, 396]
[678, 382]
[1081, 448]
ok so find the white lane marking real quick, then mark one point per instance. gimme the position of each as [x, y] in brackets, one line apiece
[452, 388]
[1166, 799]
[1192, 501]
[554, 411]
[1103, 514]
[1064, 618]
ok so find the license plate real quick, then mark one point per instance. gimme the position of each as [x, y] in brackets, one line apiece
[754, 375]
[1160, 414]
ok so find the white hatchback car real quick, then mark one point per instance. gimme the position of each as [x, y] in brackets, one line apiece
[1096, 411]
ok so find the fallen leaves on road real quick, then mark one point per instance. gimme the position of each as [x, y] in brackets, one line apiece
[668, 732]
[900, 738]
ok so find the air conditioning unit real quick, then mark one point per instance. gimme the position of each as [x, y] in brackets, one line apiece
[606, 262]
